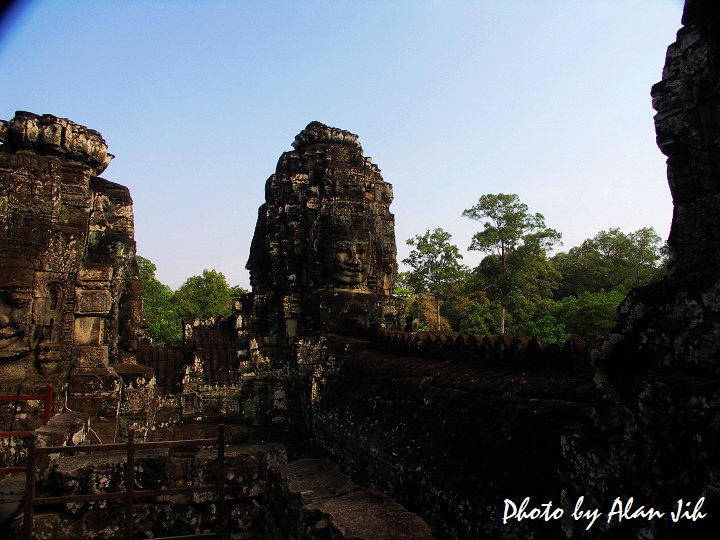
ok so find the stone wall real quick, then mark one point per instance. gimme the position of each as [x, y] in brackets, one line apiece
[574, 354]
[247, 470]
[312, 498]
[220, 374]
[266, 497]
[168, 364]
[449, 439]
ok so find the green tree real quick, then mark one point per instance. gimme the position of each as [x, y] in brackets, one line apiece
[611, 260]
[545, 323]
[478, 318]
[402, 287]
[587, 315]
[590, 314]
[516, 267]
[422, 307]
[435, 266]
[468, 308]
[163, 321]
[204, 296]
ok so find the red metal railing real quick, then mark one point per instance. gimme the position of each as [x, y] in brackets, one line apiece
[47, 414]
[130, 493]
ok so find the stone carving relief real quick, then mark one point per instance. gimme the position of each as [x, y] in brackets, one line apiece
[324, 238]
[68, 277]
[346, 242]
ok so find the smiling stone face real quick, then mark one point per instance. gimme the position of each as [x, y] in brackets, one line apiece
[346, 245]
[70, 292]
[350, 262]
[16, 330]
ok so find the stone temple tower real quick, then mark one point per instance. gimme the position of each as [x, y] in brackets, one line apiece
[71, 312]
[323, 254]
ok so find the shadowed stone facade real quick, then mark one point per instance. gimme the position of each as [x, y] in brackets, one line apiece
[675, 323]
[323, 253]
[322, 260]
[70, 293]
[657, 376]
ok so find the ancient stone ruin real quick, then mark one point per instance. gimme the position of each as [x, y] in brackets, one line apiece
[339, 423]
[71, 297]
[323, 253]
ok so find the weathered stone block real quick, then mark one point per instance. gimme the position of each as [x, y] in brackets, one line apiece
[54, 526]
[91, 356]
[313, 498]
[95, 273]
[92, 302]
[67, 429]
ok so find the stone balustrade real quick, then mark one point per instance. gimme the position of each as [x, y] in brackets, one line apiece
[573, 355]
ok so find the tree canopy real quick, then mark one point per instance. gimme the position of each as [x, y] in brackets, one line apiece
[516, 268]
[611, 260]
[204, 296]
[164, 323]
[435, 265]
[516, 287]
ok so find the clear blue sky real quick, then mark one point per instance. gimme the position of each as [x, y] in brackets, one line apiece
[452, 99]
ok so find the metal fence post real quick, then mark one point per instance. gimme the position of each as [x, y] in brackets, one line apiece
[129, 483]
[48, 405]
[29, 488]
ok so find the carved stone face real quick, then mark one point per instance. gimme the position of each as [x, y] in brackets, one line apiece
[350, 264]
[16, 339]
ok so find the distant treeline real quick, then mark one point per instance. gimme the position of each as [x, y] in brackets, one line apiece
[517, 288]
[204, 296]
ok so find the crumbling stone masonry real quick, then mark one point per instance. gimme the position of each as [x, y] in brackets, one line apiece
[323, 253]
[323, 260]
[70, 293]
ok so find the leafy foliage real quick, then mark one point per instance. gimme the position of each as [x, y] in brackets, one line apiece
[545, 323]
[203, 296]
[516, 288]
[515, 242]
[611, 260]
[424, 309]
[590, 314]
[479, 318]
[435, 266]
[164, 322]
[587, 315]
[507, 226]
[402, 286]
[434, 262]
